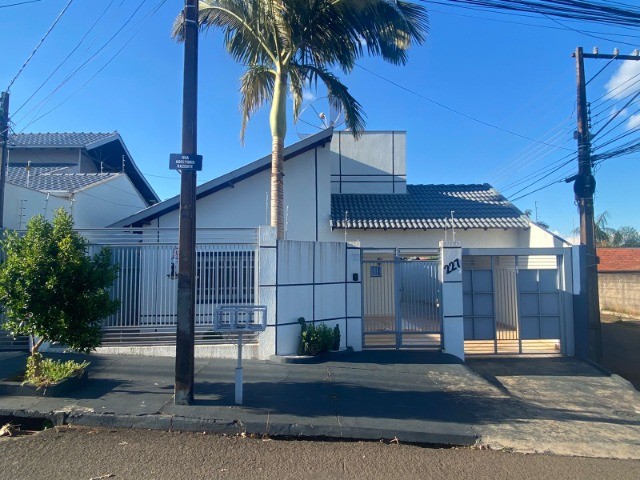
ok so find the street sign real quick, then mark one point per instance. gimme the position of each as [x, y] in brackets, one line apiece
[192, 163]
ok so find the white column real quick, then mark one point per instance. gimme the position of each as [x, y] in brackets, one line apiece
[267, 262]
[452, 300]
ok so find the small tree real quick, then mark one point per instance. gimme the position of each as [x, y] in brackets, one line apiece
[51, 289]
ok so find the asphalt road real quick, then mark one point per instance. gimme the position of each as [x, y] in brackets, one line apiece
[621, 347]
[80, 453]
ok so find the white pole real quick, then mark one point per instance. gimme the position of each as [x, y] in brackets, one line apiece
[239, 372]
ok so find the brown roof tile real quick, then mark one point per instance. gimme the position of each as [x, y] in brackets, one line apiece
[619, 260]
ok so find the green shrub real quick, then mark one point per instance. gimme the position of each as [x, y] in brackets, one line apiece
[45, 372]
[317, 339]
[336, 338]
[51, 289]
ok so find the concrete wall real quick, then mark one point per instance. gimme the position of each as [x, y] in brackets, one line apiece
[620, 292]
[316, 281]
[20, 204]
[375, 163]
[105, 203]
[94, 207]
[246, 204]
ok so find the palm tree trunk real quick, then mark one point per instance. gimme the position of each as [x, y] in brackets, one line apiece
[278, 121]
[277, 186]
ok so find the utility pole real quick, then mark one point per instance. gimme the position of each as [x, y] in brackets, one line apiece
[4, 135]
[183, 389]
[584, 188]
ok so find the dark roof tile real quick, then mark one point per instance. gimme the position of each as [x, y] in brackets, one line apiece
[427, 207]
[69, 140]
[50, 179]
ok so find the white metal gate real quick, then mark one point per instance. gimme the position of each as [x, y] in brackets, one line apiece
[146, 286]
[512, 304]
[401, 303]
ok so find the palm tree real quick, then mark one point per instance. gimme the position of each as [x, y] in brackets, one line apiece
[602, 233]
[287, 45]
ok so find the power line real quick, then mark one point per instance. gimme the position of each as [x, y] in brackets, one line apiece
[73, 73]
[534, 25]
[65, 59]
[454, 110]
[595, 11]
[19, 3]
[146, 19]
[39, 44]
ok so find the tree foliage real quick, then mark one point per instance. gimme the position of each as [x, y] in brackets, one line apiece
[290, 45]
[51, 289]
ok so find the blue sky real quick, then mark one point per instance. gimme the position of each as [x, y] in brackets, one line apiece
[513, 72]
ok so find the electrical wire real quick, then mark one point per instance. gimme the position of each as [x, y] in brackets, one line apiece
[457, 112]
[19, 3]
[148, 16]
[596, 11]
[74, 72]
[548, 27]
[65, 59]
[39, 44]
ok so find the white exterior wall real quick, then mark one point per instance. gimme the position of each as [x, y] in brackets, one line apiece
[375, 163]
[45, 155]
[427, 239]
[316, 281]
[20, 204]
[105, 203]
[537, 237]
[246, 203]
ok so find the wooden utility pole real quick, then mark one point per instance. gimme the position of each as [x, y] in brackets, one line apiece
[183, 389]
[584, 188]
[4, 136]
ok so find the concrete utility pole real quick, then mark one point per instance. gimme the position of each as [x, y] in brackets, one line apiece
[4, 136]
[183, 389]
[584, 188]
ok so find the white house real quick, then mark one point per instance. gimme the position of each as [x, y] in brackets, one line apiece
[92, 175]
[394, 265]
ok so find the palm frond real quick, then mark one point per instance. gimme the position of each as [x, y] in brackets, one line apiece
[256, 89]
[338, 94]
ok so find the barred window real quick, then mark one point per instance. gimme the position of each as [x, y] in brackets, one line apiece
[225, 277]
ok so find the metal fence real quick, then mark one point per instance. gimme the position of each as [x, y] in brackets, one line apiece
[146, 286]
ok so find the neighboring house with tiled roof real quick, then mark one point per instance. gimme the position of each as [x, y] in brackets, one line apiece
[619, 280]
[92, 175]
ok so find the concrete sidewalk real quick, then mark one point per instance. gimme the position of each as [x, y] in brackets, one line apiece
[556, 405]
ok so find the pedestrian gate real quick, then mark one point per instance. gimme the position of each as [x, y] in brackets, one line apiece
[401, 301]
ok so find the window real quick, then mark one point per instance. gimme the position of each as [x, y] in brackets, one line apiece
[375, 270]
[225, 277]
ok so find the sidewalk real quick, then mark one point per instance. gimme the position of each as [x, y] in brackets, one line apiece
[556, 405]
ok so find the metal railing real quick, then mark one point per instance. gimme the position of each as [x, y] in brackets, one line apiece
[146, 285]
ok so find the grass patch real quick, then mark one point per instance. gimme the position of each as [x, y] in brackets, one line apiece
[45, 372]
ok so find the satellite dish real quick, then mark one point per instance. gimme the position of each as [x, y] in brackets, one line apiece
[318, 115]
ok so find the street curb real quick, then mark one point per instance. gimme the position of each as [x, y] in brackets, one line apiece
[276, 429]
[238, 427]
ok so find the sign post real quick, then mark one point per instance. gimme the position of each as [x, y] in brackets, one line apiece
[240, 319]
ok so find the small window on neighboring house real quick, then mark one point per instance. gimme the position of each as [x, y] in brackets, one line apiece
[376, 270]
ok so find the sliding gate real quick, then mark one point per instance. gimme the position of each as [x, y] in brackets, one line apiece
[401, 302]
[512, 304]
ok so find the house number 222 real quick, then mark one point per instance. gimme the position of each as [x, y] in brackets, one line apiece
[452, 266]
